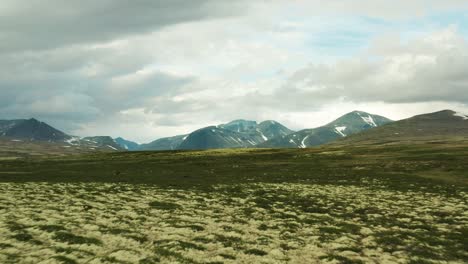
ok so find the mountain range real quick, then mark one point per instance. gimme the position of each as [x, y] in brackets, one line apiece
[356, 126]
[267, 134]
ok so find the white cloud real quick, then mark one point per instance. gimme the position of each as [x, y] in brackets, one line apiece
[430, 68]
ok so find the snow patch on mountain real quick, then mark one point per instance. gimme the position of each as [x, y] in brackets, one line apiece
[369, 120]
[303, 145]
[73, 141]
[340, 131]
[112, 147]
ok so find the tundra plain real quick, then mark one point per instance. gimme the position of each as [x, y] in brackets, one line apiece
[373, 203]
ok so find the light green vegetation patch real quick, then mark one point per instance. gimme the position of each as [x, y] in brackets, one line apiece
[242, 223]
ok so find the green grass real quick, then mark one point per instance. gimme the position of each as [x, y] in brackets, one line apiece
[400, 165]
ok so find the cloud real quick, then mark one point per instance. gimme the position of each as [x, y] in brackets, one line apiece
[381, 9]
[48, 24]
[432, 67]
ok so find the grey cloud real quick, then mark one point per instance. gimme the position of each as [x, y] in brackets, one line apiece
[47, 24]
[65, 61]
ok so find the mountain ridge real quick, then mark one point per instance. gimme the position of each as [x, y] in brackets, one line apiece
[343, 126]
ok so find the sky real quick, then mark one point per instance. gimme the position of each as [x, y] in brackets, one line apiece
[144, 70]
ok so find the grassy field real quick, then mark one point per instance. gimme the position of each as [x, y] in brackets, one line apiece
[374, 203]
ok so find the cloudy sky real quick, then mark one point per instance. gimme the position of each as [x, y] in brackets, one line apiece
[149, 69]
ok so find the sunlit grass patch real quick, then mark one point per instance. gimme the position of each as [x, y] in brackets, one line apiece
[226, 223]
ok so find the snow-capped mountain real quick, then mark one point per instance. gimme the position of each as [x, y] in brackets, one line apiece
[346, 125]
